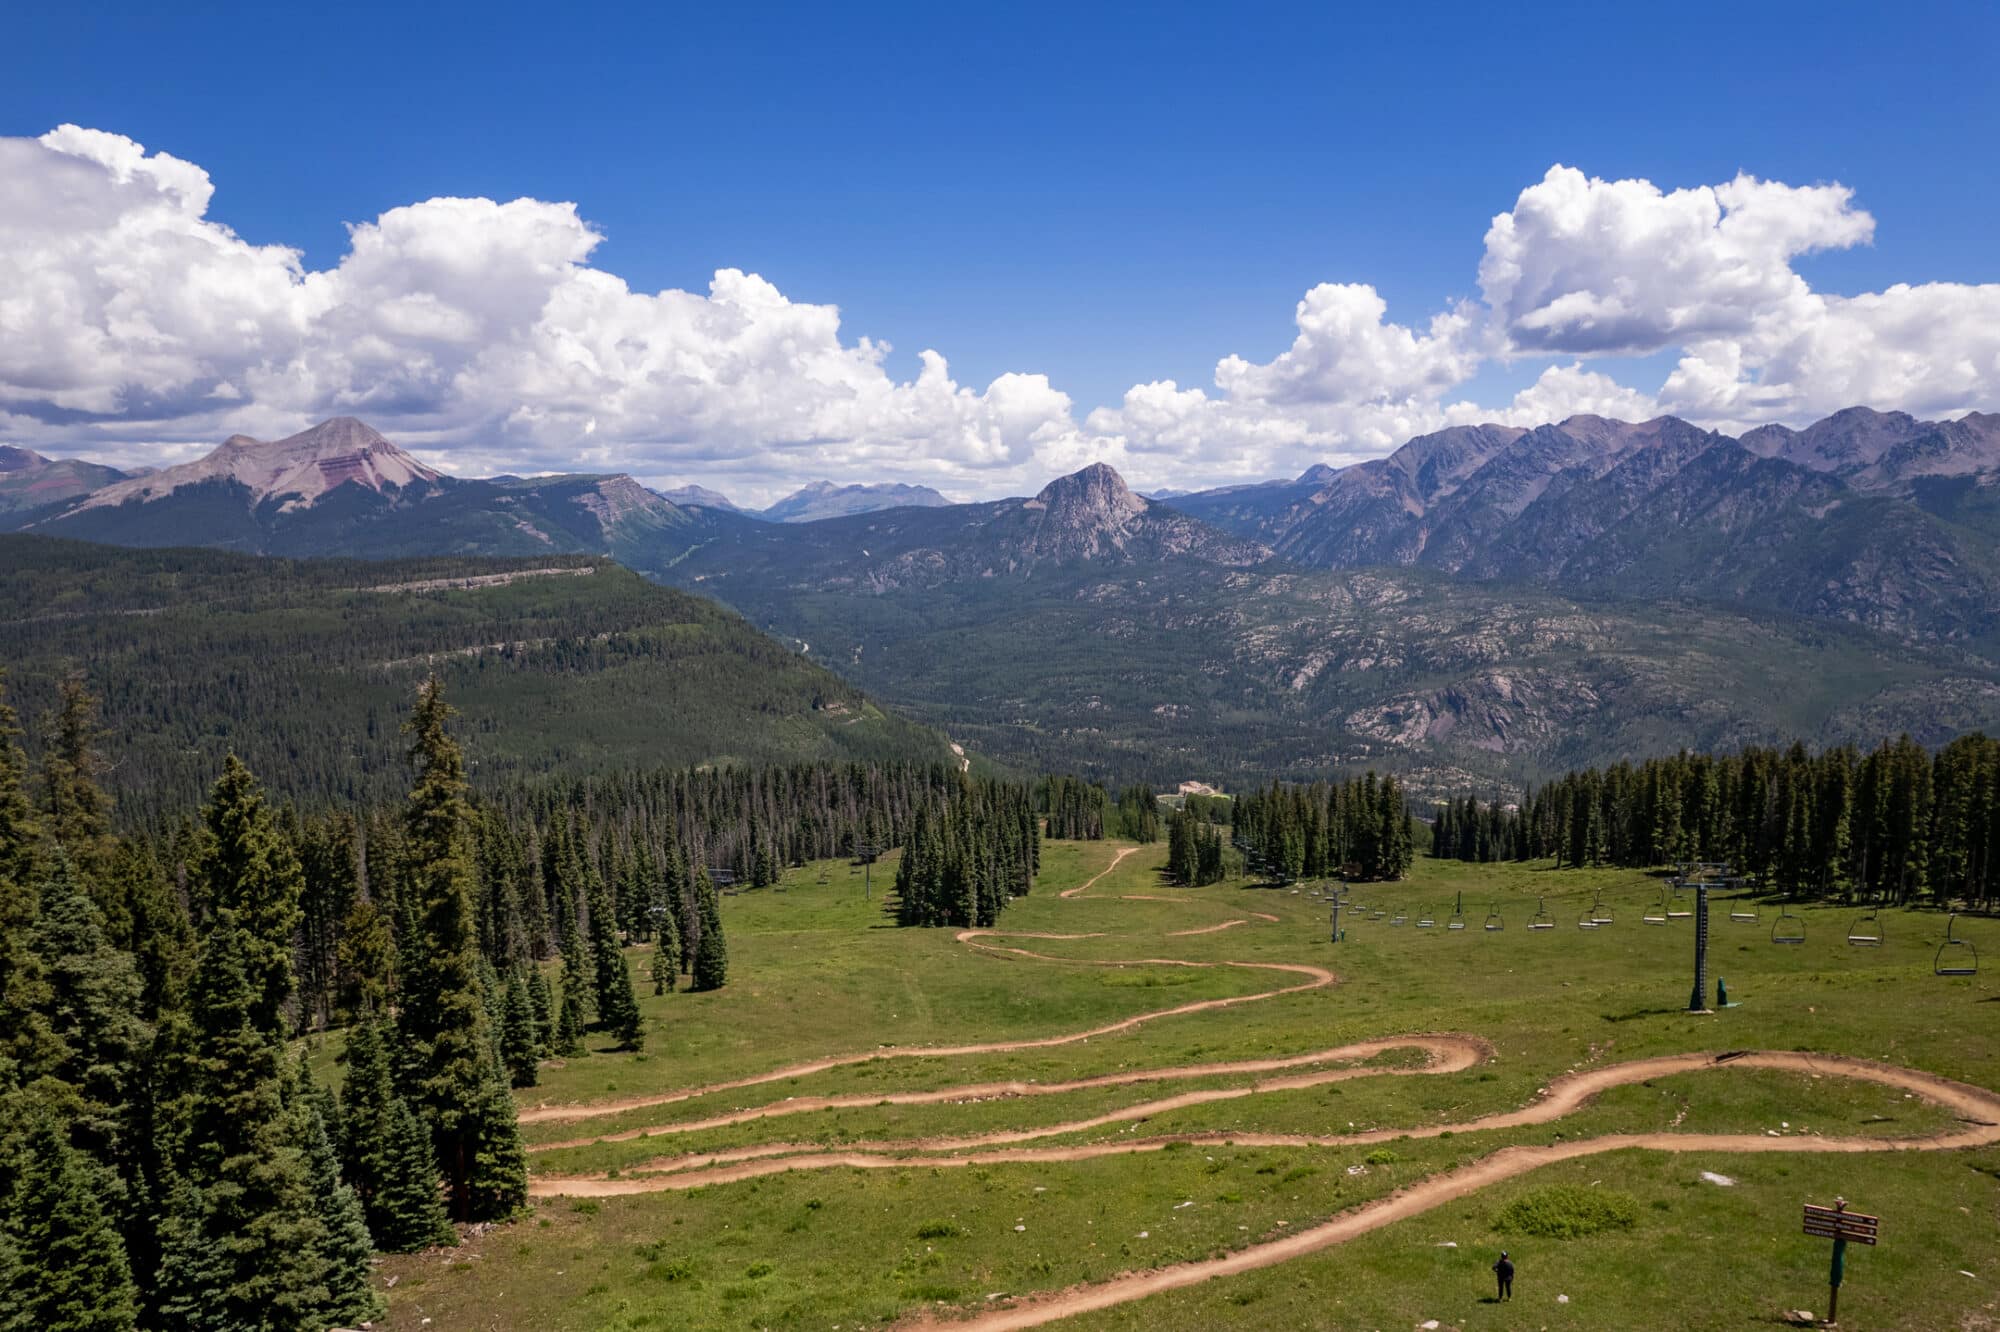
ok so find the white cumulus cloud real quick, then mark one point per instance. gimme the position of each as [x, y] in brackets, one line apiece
[136, 327]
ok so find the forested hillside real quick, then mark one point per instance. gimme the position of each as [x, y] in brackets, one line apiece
[1899, 822]
[306, 668]
[168, 1160]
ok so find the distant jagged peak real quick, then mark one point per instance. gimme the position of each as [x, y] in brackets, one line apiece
[298, 469]
[1095, 495]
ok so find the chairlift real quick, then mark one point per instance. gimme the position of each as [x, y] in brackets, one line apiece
[1601, 915]
[1457, 921]
[1955, 956]
[1587, 920]
[1493, 921]
[1543, 920]
[1378, 913]
[1426, 919]
[1657, 913]
[1744, 911]
[1788, 928]
[1400, 917]
[1866, 932]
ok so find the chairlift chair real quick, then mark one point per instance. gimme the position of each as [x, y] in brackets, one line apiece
[1588, 920]
[1400, 917]
[1601, 915]
[1955, 956]
[1378, 913]
[1426, 919]
[1788, 928]
[1744, 910]
[1457, 921]
[1657, 913]
[1493, 921]
[1542, 920]
[1866, 932]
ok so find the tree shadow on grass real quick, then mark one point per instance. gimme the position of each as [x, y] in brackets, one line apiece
[1633, 1014]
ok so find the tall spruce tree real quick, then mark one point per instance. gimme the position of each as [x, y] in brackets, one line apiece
[711, 955]
[256, 1216]
[84, 1017]
[442, 1014]
[246, 865]
[520, 1043]
[345, 1246]
[75, 806]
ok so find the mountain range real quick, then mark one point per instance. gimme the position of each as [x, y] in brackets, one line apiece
[1486, 604]
[813, 501]
[1870, 517]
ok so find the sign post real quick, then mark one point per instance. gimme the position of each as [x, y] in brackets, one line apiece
[1839, 1225]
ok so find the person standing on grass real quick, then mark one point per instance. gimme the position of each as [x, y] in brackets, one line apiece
[1504, 1270]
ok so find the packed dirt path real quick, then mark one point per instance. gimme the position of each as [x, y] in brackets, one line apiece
[1976, 1108]
[1317, 977]
[1446, 1054]
[1091, 882]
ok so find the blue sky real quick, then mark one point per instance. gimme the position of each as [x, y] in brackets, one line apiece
[1104, 195]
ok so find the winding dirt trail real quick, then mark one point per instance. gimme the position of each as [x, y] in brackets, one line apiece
[1316, 977]
[1446, 1054]
[1091, 882]
[1976, 1108]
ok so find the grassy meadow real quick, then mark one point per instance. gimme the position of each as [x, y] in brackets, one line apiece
[817, 970]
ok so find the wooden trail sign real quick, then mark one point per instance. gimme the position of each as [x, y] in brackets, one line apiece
[1839, 1223]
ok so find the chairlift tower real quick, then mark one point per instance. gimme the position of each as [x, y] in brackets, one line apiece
[866, 852]
[1697, 998]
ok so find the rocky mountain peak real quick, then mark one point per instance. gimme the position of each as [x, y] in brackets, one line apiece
[298, 469]
[14, 459]
[1095, 497]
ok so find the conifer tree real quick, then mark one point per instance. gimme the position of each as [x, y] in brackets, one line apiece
[367, 1112]
[84, 1021]
[365, 962]
[568, 1040]
[75, 806]
[499, 1183]
[68, 1265]
[666, 962]
[442, 1013]
[711, 955]
[246, 865]
[345, 1245]
[520, 1043]
[257, 1214]
[407, 1212]
[543, 1006]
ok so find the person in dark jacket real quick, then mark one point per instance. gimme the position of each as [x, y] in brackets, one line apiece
[1504, 1270]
